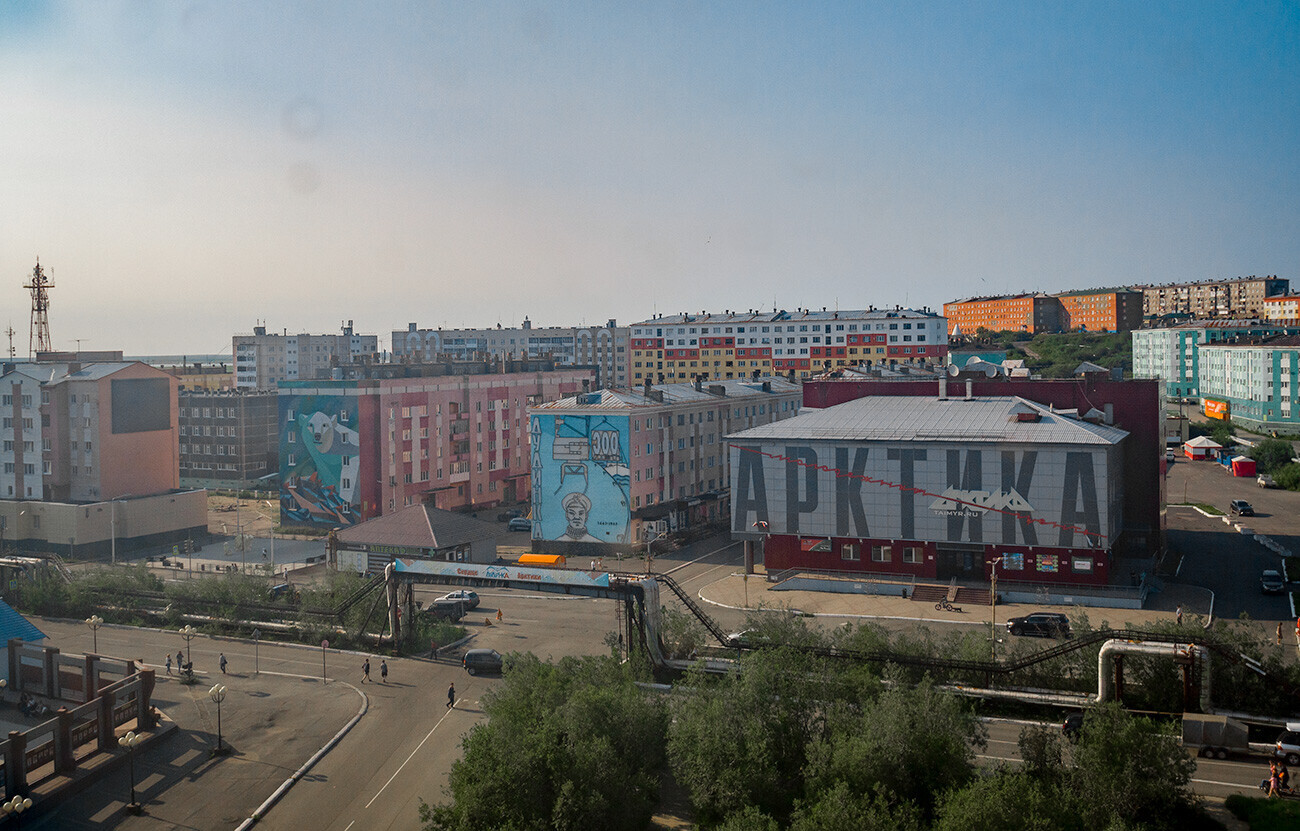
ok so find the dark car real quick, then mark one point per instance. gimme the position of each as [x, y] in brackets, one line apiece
[1041, 624]
[1241, 507]
[1072, 725]
[1271, 582]
[482, 660]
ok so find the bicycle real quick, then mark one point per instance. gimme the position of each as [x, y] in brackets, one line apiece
[945, 606]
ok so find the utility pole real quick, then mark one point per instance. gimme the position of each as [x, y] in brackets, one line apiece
[39, 340]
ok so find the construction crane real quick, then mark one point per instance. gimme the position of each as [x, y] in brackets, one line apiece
[39, 340]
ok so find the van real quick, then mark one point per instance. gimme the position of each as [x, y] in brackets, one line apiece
[447, 610]
[541, 559]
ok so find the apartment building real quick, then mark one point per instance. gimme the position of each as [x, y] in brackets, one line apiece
[1256, 380]
[1086, 310]
[617, 467]
[263, 360]
[603, 347]
[1282, 307]
[738, 345]
[1172, 354]
[354, 449]
[228, 439]
[1240, 297]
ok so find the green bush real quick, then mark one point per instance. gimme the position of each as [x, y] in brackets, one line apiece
[1264, 814]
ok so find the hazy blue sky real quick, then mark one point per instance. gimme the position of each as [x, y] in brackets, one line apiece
[185, 169]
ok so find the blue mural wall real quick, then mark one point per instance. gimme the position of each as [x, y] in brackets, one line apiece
[580, 478]
[320, 460]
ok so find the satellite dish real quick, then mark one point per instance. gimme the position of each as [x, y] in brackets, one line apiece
[954, 370]
[990, 371]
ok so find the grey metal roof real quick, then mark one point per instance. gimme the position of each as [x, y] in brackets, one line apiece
[93, 372]
[420, 526]
[927, 418]
[673, 394]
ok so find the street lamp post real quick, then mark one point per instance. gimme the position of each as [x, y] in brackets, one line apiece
[218, 695]
[272, 518]
[649, 554]
[993, 606]
[324, 645]
[94, 622]
[129, 741]
[189, 633]
[257, 637]
[16, 806]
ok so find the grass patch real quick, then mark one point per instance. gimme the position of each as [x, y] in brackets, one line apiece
[1265, 814]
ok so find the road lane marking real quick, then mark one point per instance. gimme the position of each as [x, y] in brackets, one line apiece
[408, 758]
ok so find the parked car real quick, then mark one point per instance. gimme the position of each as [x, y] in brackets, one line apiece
[447, 610]
[506, 516]
[1271, 582]
[1170, 455]
[470, 598]
[482, 660]
[1041, 624]
[1072, 725]
[1265, 481]
[520, 523]
[1288, 744]
[1241, 507]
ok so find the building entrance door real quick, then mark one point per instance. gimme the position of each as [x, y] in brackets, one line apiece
[959, 560]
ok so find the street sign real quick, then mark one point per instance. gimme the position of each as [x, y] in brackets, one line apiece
[324, 644]
[257, 634]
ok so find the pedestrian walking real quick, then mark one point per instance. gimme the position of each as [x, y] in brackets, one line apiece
[223, 663]
[1279, 633]
[383, 671]
[169, 655]
[451, 695]
[498, 615]
[180, 659]
[365, 671]
[1178, 615]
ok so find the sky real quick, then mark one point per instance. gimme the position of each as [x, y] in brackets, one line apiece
[187, 170]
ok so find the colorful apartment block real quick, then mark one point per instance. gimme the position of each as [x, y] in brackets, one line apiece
[1283, 307]
[740, 345]
[1032, 313]
[1100, 310]
[351, 450]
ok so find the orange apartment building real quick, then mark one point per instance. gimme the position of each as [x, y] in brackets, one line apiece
[1091, 310]
[738, 345]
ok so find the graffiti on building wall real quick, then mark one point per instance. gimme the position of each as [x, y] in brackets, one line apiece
[319, 460]
[1005, 496]
[580, 478]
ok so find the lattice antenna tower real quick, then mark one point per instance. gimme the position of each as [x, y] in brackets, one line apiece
[39, 340]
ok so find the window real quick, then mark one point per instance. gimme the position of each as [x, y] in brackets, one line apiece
[881, 553]
[850, 552]
[911, 554]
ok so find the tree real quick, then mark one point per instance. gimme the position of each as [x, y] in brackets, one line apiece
[844, 809]
[573, 745]
[1288, 476]
[1007, 801]
[913, 743]
[1272, 454]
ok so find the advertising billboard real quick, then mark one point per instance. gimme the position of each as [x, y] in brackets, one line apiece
[1214, 409]
[320, 459]
[580, 477]
[1012, 495]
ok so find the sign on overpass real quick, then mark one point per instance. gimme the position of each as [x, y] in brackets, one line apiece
[521, 574]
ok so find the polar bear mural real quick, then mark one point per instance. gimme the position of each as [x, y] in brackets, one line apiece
[335, 449]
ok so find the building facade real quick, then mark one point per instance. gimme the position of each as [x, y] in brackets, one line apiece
[1032, 313]
[228, 439]
[262, 360]
[1256, 382]
[1282, 307]
[603, 347]
[616, 467]
[1086, 310]
[1100, 310]
[1172, 354]
[352, 450]
[737, 345]
[1238, 297]
[934, 487]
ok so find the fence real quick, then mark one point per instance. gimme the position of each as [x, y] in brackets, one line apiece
[112, 692]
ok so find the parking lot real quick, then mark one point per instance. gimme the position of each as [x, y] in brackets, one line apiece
[1212, 553]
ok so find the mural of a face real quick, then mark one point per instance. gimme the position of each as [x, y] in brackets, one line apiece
[576, 509]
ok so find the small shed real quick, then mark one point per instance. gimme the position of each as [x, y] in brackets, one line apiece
[1243, 466]
[1200, 447]
[13, 626]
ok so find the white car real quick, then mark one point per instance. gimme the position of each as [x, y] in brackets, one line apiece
[470, 598]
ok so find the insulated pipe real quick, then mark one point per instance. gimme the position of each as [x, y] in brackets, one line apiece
[1180, 652]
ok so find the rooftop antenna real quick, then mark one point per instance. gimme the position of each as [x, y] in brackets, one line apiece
[10, 333]
[39, 339]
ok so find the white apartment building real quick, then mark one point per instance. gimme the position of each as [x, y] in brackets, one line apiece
[263, 360]
[603, 347]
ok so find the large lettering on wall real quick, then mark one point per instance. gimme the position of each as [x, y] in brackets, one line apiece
[1010, 496]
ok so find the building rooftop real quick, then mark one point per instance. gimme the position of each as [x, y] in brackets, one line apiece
[991, 420]
[798, 315]
[420, 526]
[672, 394]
